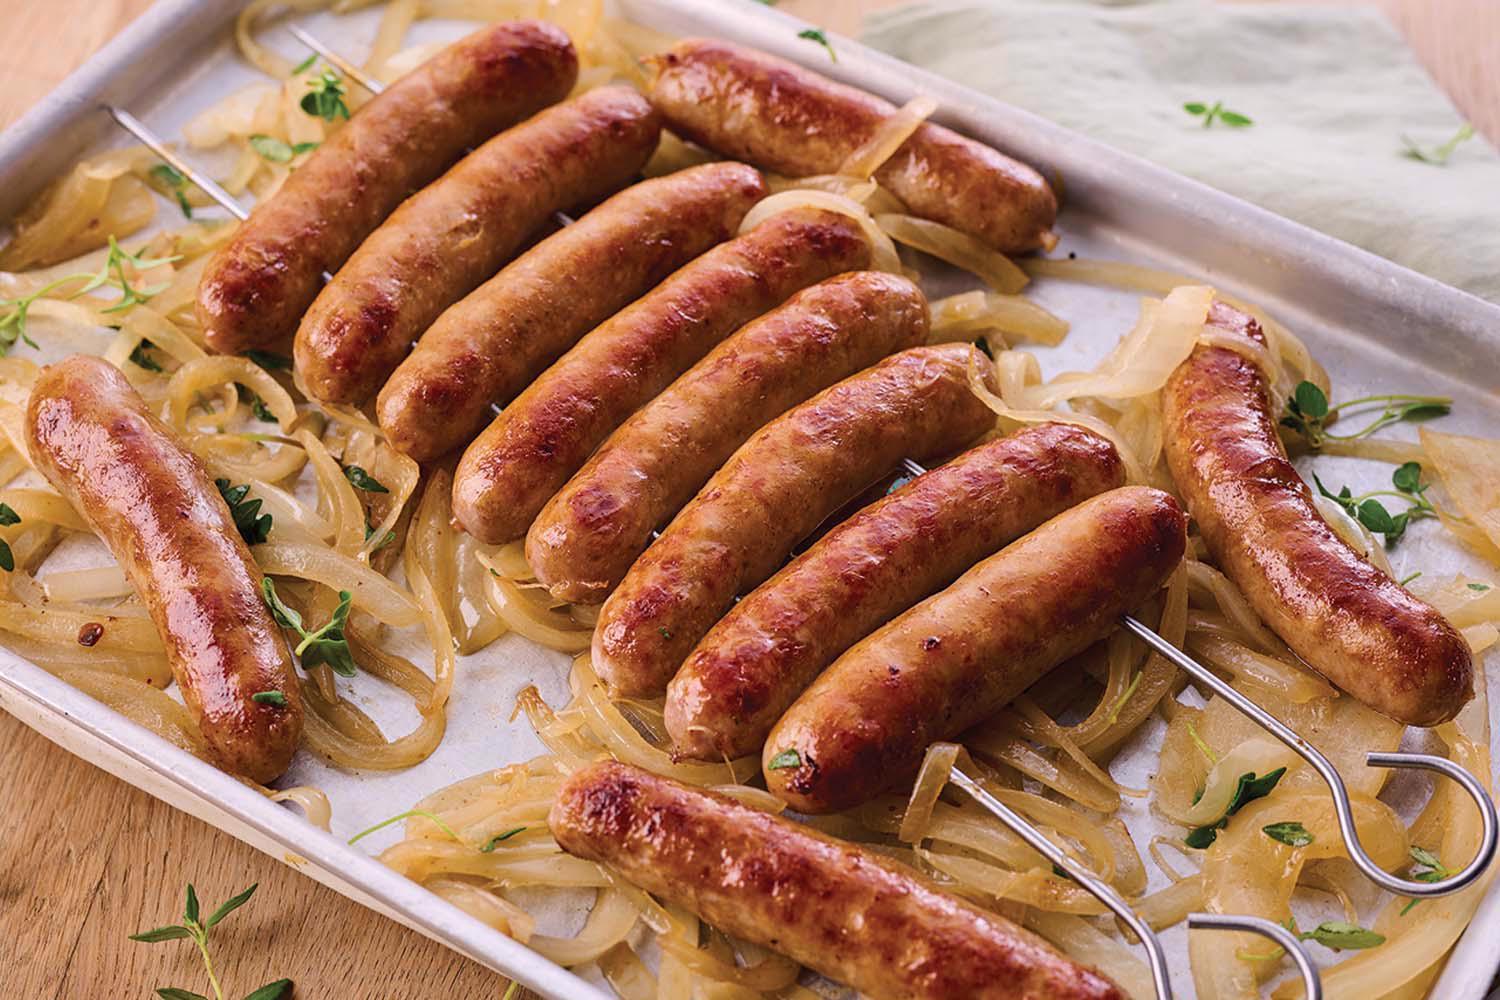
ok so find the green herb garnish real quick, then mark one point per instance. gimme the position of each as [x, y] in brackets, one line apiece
[325, 97]
[171, 178]
[1216, 112]
[1308, 413]
[1438, 155]
[270, 360]
[499, 838]
[322, 645]
[1429, 869]
[277, 151]
[304, 65]
[197, 929]
[1291, 834]
[7, 518]
[785, 759]
[436, 820]
[257, 405]
[817, 35]
[362, 480]
[1338, 935]
[269, 698]
[1246, 791]
[1371, 513]
[141, 358]
[254, 527]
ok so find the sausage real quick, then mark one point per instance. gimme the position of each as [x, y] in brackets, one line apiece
[958, 656]
[773, 113]
[774, 492]
[450, 236]
[487, 346]
[592, 530]
[755, 662]
[855, 916]
[535, 445]
[255, 289]
[1344, 616]
[94, 439]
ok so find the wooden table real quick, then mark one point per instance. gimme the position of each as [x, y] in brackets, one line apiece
[86, 859]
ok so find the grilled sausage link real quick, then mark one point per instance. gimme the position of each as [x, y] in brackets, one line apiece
[782, 117]
[485, 348]
[849, 913]
[950, 661]
[450, 236]
[775, 491]
[536, 444]
[1335, 609]
[592, 530]
[255, 289]
[755, 662]
[150, 500]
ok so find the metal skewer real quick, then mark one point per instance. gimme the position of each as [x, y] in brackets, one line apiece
[1102, 891]
[157, 145]
[1342, 806]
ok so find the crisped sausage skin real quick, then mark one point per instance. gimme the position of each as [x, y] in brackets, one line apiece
[775, 491]
[765, 651]
[535, 445]
[150, 500]
[486, 347]
[849, 913]
[453, 234]
[592, 530]
[783, 117]
[958, 656]
[1335, 609]
[255, 289]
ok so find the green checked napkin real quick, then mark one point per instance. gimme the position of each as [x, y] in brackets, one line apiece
[1330, 92]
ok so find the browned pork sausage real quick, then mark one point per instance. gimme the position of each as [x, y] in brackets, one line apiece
[593, 529]
[780, 116]
[256, 288]
[1335, 609]
[95, 439]
[486, 347]
[755, 662]
[536, 444]
[456, 232]
[958, 656]
[775, 490]
[849, 913]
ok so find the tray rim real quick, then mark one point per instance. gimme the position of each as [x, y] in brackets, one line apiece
[51, 134]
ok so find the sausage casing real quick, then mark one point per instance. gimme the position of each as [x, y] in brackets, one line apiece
[849, 913]
[150, 500]
[255, 289]
[774, 492]
[1335, 609]
[456, 232]
[486, 347]
[765, 651]
[592, 530]
[536, 444]
[782, 117]
[958, 656]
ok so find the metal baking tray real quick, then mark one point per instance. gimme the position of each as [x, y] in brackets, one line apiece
[1371, 322]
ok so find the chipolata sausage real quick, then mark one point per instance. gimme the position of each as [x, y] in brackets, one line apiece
[1334, 608]
[847, 912]
[150, 500]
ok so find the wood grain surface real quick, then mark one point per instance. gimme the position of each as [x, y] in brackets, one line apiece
[86, 859]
